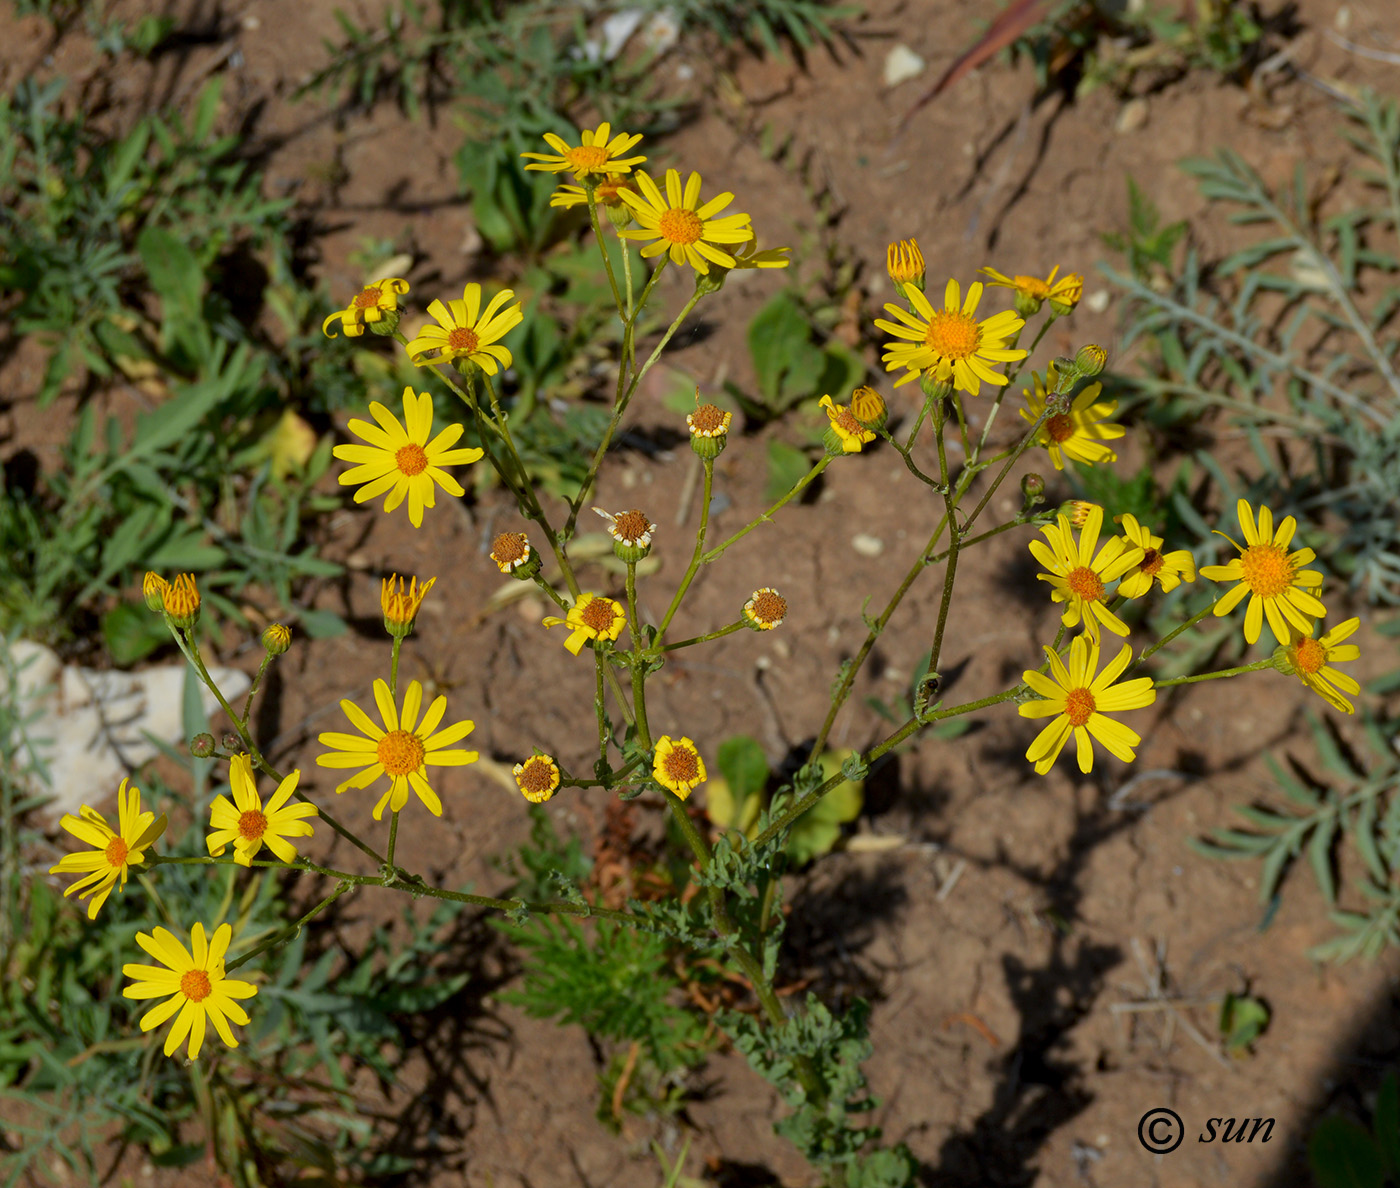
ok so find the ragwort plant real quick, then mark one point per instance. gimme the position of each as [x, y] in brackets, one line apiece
[729, 912]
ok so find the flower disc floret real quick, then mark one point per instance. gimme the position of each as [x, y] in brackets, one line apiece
[400, 460]
[950, 343]
[677, 765]
[1279, 589]
[378, 301]
[193, 983]
[113, 851]
[677, 223]
[466, 331]
[598, 153]
[592, 617]
[403, 748]
[249, 824]
[1078, 577]
[1079, 702]
[1311, 660]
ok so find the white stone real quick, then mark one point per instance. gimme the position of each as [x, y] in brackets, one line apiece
[902, 64]
[867, 545]
[90, 727]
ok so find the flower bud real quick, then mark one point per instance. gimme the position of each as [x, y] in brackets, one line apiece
[276, 638]
[868, 407]
[181, 601]
[232, 742]
[202, 746]
[933, 387]
[1091, 359]
[153, 588]
[1032, 492]
[905, 264]
[400, 606]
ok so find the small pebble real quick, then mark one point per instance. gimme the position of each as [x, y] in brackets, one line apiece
[902, 64]
[867, 545]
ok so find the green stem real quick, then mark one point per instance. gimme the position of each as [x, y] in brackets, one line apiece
[393, 838]
[1257, 666]
[394, 668]
[699, 639]
[253, 689]
[695, 556]
[588, 188]
[1174, 632]
[291, 930]
[801, 485]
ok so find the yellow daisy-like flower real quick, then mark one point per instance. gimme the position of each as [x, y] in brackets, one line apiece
[1310, 660]
[181, 600]
[192, 983]
[401, 460]
[599, 152]
[679, 224]
[1169, 569]
[114, 851]
[466, 331]
[369, 306]
[677, 765]
[606, 193]
[537, 778]
[1078, 433]
[950, 341]
[1079, 578]
[250, 825]
[1079, 701]
[591, 617]
[1279, 589]
[402, 750]
[845, 431]
[1031, 291]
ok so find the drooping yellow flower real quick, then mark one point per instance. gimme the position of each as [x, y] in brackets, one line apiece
[399, 606]
[466, 331]
[1078, 433]
[402, 750]
[765, 609]
[950, 342]
[677, 765]
[537, 778]
[114, 851]
[1080, 702]
[1311, 660]
[1279, 588]
[1168, 569]
[598, 153]
[1079, 578]
[192, 983]
[868, 407]
[1031, 291]
[591, 617]
[374, 303]
[844, 433]
[676, 222]
[401, 460]
[250, 825]
[747, 255]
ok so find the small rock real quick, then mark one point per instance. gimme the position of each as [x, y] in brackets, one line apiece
[1132, 116]
[867, 545]
[1098, 300]
[902, 64]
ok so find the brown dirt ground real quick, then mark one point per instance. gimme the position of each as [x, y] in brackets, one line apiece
[999, 1056]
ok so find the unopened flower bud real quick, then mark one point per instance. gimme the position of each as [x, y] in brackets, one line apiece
[905, 264]
[1032, 491]
[868, 407]
[202, 746]
[933, 387]
[232, 742]
[276, 638]
[1091, 359]
[400, 606]
[153, 591]
[181, 601]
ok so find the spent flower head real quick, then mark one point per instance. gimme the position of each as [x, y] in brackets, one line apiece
[631, 532]
[466, 331]
[765, 609]
[401, 460]
[845, 434]
[677, 222]
[375, 306]
[512, 554]
[114, 851]
[1078, 577]
[592, 617]
[677, 765]
[599, 153]
[1311, 660]
[249, 824]
[193, 983]
[950, 341]
[709, 428]
[402, 749]
[537, 778]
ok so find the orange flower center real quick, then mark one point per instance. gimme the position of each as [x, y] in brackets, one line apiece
[411, 459]
[401, 752]
[680, 225]
[1308, 655]
[366, 299]
[1079, 706]
[116, 852]
[587, 157]
[1267, 571]
[509, 549]
[252, 825]
[1152, 562]
[194, 985]
[598, 616]
[708, 421]
[463, 339]
[608, 190]
[631, 526]
[680, 766]
[845, 421]
[768, 607]
[1085, 583]
[953, 334]
[537, 777]
[1060, 428]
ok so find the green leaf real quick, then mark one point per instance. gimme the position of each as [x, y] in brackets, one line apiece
[787, 466]
[744, 765]
[131, 633]
[173, 270]
[1320, 857]
[1342, 1154]
[1242, 1019]
[321, 624]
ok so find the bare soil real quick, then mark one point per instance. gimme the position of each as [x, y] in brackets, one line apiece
[1044, 955]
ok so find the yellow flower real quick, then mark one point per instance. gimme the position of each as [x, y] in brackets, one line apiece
[402, 750]
[401, 460]
[765, 609]
[1078, 433]
[905, 264]
[1310, 661]
[1080, 579]
[605, 193]
[845, 434]
[591, 617]
[677, 765]
[1079, 702]
[371, 304]
[537, 778]
[467, 331]
[868, 406]
[679, 224]
[276, 638]
[399, 606]
[1031, 291]
[747, 255]
[1279, 589]
[114, 851]
[1170, 569]
[950, 342]
[599, 152]
[249, 825]
[181, 599]
[153, 588]
[194, 984]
